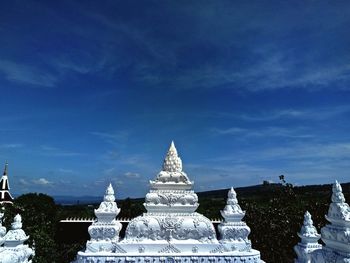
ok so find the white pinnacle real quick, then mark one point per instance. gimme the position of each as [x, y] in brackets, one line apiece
[17, 222]
[308, 230]
[172, 162]
[337, 195]
[109, 195]
[232, 210]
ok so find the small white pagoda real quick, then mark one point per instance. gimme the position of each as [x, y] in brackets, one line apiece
[170, 231]
[309, 240]
[12, 247]
[335, 235]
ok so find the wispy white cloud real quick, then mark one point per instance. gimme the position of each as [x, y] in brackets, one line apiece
[273, 71]
[67, 64]
[299, 132]
[132, 175]
[42, 182]
[23, 182]
[112, 138]
[56, 152]
[27, 74]
[66, 171]
[11, 145]
[320, 151]
[109, 171]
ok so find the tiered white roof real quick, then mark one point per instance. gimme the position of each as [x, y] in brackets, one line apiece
[171, 230]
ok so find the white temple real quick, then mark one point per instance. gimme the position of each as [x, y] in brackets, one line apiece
[335, 235]
[170, 231]
[12, 248]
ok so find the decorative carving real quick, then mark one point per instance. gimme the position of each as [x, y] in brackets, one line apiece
[169, 249]
[219, 249]
[118, 249]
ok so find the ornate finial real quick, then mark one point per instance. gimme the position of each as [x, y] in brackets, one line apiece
[337, 195]
[307, 219]
[17, 222]
[308, 230]
[5, 169]
[232, 194]
[232, 210]
[172, 162]
[109, 194]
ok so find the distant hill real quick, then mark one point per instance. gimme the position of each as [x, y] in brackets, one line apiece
[246, 192]
[75, 200]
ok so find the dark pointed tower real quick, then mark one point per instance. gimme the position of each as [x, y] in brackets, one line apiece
[5, 195]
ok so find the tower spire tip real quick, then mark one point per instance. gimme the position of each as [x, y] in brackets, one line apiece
[5, 169]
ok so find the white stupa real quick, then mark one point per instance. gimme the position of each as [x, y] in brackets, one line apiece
[12, 247]
[335, 235]
[170, 230]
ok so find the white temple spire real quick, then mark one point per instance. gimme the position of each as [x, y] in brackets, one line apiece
[338, 209]
[308, 232]
[109, 195]
[5, 169]
[337, 193]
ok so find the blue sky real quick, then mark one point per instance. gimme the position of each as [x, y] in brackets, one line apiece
[94, 91]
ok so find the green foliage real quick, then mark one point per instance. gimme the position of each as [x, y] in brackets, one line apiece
[72, 211]
[39, 216]
[131, 208]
